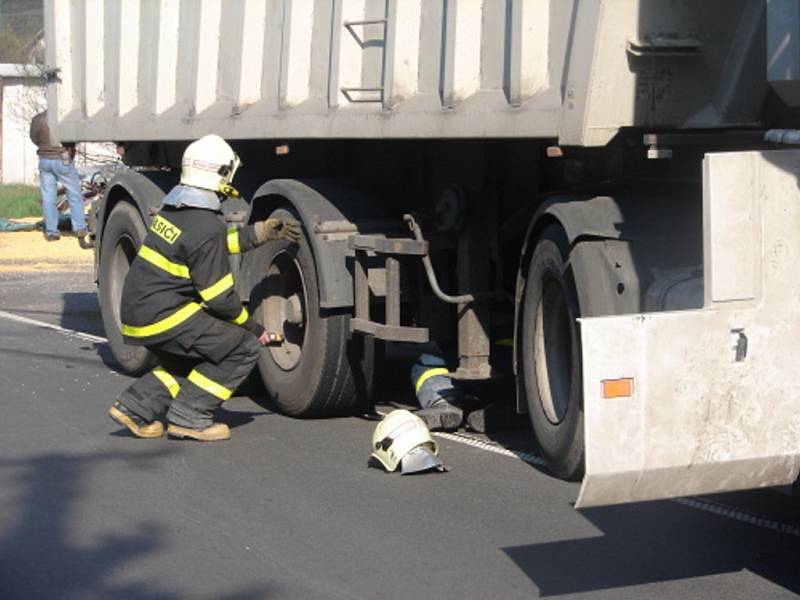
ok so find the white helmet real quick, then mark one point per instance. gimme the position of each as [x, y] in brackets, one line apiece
[402, 438]
[210, 164]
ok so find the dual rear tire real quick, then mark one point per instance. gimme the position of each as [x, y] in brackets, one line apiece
[320, 370]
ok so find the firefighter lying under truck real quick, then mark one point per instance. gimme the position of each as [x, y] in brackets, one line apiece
[180, 302]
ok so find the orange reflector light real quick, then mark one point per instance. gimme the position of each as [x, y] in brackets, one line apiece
[554, 152]
[617, 388]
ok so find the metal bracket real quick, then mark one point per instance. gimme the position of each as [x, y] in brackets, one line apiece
[664, 47]
[657, 143]
[392, 249]
[351, 93]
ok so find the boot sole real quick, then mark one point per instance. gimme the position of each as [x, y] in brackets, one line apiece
[121, 418]
[184, 432]
[441, 420]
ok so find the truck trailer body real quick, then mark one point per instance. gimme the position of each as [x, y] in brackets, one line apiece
[603, 182]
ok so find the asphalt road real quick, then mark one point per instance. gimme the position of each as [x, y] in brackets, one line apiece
[289, 508]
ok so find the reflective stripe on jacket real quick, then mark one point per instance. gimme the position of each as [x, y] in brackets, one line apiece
[182, 268]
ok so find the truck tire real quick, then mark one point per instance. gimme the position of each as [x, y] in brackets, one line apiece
[122, 236]
[550, 356]
[320, 370]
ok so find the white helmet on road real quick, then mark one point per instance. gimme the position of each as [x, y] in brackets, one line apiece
[402, 438]
[210, 164]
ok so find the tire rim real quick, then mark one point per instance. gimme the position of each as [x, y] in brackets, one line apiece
[284, 309]
[121, 259]
[552, 350]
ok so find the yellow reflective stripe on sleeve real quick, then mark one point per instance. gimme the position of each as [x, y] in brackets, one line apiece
[233, 241]
[212, 387]
[243, 316]
[215, 290]
[428, 374]
[175, 319]
[161, 261]
[173, 387]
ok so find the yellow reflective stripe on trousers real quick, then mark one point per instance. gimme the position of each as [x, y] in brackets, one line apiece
[161, 261]
[212, 387]
[168, 380]
[215, 290]
[233, 241]
[243, 316]
[428, 374]
[163, 325]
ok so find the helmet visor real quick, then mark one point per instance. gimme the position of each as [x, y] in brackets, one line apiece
[419, 460]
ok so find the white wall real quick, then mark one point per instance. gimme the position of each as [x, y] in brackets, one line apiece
[21, 100]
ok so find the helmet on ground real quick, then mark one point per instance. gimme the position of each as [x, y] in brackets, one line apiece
[210, 164]
[402, 438]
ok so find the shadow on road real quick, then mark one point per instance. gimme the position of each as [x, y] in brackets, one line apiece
[81, 312]
[39, 557]
[656, 542]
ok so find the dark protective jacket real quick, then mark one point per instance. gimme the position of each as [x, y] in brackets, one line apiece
[181, 272]
[46, 148]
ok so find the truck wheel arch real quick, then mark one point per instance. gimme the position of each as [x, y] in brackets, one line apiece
[614, 245]
[128, 186]
[583, 219]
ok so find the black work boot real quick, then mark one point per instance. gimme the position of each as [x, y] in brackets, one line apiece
[136, 424]
[441, 416]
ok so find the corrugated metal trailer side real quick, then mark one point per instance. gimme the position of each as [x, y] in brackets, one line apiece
[149, 69]
[249, 69]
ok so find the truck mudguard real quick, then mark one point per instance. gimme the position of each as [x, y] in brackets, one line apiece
[142, 191]
[613, 257]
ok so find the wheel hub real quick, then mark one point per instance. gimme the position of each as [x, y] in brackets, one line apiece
[284, 309]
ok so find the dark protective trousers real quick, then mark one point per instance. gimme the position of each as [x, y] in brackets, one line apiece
[200, 368]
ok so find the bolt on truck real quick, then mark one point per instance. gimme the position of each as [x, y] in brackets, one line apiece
[611, 184]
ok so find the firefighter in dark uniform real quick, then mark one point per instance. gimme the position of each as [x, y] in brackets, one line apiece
[180, 302]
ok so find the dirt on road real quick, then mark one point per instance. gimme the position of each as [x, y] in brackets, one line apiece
[22, 251]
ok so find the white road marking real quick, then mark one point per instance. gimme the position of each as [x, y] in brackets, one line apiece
[696, 503]
[529, 458]
[78, 334]
[724, 510]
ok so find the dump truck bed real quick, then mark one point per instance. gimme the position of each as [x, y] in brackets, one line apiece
[250, 69]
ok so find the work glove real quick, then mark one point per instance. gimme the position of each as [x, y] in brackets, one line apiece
[277, 229]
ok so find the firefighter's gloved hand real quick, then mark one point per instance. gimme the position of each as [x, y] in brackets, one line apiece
[278, 229]
[270, 338]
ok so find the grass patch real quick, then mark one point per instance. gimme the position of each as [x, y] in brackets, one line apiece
[17, 201]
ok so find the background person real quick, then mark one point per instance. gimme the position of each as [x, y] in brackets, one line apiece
[56, 164]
